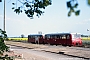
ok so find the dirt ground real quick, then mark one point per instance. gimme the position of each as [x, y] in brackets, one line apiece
[67, 51]
[31, 56]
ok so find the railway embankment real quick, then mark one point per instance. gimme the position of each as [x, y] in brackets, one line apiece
[79, 52]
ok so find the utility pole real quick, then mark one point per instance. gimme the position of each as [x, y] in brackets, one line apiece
[4, 17]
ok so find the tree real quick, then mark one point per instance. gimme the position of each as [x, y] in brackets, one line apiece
[72, 4]
[32, 7]
[22, 36]
[3, 36]
[3, 47]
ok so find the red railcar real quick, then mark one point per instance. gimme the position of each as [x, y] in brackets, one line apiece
[35, 38]
[65, 39]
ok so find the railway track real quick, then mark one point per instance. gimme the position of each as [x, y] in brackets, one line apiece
[72, 47]
[79, 52]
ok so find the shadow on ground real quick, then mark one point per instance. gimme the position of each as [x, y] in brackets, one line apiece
[63, 53]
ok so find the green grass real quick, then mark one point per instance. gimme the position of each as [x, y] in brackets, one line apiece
[86, 42]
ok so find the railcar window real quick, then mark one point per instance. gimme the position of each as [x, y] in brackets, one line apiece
[47, 36]
[40, 36]
[68, 36]
[60, 36]
[52, 36]
[29, 36]
[63, 36]
[57, 36]
[33, 36]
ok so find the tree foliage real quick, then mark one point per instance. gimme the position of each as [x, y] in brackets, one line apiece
[32, 7]
[88, 2]
[3, 47]
[0, 0]
[72, 4]
[22, 35]
[3, 36]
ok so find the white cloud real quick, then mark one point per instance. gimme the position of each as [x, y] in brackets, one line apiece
[84, 21]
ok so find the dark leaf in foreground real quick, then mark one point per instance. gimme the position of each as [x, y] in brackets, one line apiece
[88, 2]
[69, 4]
[77, 12]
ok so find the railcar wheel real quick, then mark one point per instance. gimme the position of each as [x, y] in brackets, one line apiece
[69, 45]
[64, 45]
[56, 44]
[77, 44]
[43, 43]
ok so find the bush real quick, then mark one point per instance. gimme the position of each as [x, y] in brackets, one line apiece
[3, 47]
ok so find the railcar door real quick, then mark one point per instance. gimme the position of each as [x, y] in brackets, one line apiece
[29, 38]
[32, 39]
[57, 39]
[49, 39]
[69, 39]
[41, 40]
[63, 39]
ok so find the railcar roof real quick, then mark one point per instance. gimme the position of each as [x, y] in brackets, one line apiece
[60, 33]
[34, 34]
[56, 33]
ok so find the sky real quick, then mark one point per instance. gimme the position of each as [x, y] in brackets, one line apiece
[54, 20]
